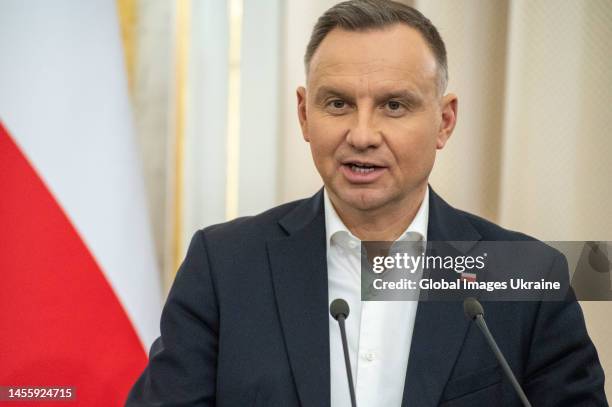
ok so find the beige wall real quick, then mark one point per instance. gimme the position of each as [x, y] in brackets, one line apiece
[297, 176]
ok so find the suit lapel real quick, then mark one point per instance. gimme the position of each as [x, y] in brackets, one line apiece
[440, 326]
[299, 274]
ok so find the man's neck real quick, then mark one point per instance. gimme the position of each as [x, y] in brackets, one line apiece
[381, 224]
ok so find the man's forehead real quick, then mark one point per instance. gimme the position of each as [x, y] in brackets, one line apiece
[373, 76]
[375, 69]
[360, 65]
[394, 53]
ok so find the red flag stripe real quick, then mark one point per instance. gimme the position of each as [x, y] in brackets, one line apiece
[60, 321]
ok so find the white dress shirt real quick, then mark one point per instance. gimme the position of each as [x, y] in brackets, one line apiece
[379, 333]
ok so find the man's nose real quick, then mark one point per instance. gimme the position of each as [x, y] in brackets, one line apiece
[363, 134]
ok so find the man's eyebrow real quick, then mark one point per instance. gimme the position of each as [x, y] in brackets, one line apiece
[411, 98]
[327, 91]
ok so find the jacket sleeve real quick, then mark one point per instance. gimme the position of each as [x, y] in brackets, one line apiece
[182, 361]
[563, 367]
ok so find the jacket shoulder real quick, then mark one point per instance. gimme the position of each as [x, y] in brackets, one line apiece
[492, 231]
[262, 225]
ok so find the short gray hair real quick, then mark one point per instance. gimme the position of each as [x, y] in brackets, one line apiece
[363, 15]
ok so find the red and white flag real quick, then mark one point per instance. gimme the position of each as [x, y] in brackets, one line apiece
[80, 294]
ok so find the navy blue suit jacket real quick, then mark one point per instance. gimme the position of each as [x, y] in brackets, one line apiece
[246, 324]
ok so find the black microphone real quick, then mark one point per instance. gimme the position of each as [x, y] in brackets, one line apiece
[473, 310]
[339, 309]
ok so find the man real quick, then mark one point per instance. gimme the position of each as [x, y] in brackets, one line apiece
[247, 322]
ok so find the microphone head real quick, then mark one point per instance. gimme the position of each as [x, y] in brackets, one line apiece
[472, 308]
[339, 307]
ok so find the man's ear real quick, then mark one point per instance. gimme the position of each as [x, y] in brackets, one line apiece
[301, 110]
[449, 119]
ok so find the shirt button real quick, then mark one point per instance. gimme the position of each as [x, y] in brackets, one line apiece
[352, 244]
[370, 356]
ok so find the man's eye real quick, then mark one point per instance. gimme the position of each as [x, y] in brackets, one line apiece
[337, 107]
[394, 105]
[338, 104]
[395, 108]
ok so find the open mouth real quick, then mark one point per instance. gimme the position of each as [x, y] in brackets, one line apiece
[362, 168]
[361, 172]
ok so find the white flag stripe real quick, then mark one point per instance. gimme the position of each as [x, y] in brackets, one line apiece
[64, 98]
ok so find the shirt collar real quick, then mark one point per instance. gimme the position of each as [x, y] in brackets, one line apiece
[335, 229]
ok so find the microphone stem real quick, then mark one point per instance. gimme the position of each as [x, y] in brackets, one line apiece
[501, 359]
[347, 361]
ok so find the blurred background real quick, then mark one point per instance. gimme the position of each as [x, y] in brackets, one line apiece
[198, 99]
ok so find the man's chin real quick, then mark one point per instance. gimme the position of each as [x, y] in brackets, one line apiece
[364, 200]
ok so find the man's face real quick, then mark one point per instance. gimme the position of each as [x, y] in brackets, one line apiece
[373, 116]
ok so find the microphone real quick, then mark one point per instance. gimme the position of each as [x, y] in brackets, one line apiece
[339, 309]
[473, 310]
